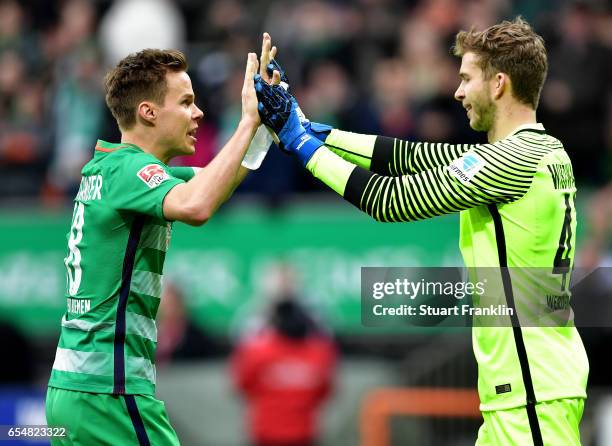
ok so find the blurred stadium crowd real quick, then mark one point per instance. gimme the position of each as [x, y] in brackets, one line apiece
[371, 66]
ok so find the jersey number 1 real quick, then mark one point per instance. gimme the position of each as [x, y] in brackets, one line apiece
[73, 260]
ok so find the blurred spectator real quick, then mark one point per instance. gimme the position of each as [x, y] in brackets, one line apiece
[597, 243]
[391, 94]
[177, 337]
[223, 19]
[285, 372]
[132, 25]
[423, 55]
[327, 92]
[23, 133]
[575, 99]
[15, 35]
[483, 13]
[78, 103]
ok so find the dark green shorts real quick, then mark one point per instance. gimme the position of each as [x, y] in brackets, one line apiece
[103, 419]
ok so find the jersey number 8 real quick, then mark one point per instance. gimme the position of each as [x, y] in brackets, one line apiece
[73, 260]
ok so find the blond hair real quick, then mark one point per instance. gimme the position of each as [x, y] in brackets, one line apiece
[513, 48]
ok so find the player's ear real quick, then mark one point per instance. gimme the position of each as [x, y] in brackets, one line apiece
[501, 82]
[147, 113]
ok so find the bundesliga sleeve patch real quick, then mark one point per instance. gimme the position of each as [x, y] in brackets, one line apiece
[466, 167]
[152, 175]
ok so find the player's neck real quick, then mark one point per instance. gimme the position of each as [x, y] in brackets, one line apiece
[148, 142]
[508, 118]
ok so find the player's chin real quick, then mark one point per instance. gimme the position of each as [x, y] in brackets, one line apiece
[477, 125]
[189, 146]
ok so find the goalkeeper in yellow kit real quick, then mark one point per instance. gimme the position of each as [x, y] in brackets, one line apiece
[516, 198]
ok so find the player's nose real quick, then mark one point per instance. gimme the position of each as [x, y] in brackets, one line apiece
[459, 94]
[198, 113]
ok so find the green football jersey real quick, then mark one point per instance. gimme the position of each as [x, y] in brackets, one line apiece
[516, 199]
[116, 249]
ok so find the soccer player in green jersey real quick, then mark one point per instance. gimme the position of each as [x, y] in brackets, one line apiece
[102, 383]
[516, 198]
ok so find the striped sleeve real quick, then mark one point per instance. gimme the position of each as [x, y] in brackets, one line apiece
[491, 173]
[391, 156]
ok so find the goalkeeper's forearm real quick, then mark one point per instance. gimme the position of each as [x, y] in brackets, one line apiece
[378, 154]
[416, 196]
[391, 156]
[348, 180]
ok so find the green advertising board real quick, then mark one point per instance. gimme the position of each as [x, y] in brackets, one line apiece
[222, 267]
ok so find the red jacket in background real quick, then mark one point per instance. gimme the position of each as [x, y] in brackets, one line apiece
[284, 381]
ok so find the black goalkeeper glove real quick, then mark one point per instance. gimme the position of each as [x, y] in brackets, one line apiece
[319, 131]
[278, 111]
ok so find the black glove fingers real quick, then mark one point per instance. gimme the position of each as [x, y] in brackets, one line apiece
[274, 65]
[269, 96]
[274, 104]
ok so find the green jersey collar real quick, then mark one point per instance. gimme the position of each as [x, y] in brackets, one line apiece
[534, 127]
[104, 146]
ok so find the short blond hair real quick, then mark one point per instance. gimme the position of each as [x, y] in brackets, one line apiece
[513, 48]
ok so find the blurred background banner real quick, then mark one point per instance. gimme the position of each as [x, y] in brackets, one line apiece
[224, 270]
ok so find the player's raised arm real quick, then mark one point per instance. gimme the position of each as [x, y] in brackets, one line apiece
[197, 200]
[490, 173]
[390, 156]
[475, 179]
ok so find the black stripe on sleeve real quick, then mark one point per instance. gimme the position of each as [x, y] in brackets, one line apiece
[342, 149]
[382, 156]
[356, 185]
